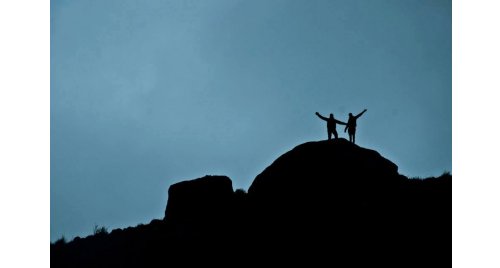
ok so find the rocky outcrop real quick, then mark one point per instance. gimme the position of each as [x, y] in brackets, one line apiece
[199, 200]
[325, 202]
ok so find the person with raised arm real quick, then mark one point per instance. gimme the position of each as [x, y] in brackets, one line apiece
[331, 125]
[351, 126]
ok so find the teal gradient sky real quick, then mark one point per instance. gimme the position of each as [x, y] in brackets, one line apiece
[148, 93]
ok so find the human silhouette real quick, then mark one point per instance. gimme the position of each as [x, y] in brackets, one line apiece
[331, 125]
[351, 126]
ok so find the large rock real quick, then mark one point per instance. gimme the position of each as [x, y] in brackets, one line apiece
[324, 167]
[202, 201]
[337, 199]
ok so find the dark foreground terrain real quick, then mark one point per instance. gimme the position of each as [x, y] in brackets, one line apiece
[323, 203]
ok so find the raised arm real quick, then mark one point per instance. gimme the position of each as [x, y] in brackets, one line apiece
[360, 114]
[322, 117]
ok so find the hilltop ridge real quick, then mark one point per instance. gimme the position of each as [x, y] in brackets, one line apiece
[333, 193]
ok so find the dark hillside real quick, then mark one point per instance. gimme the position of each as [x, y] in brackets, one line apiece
[326, 202]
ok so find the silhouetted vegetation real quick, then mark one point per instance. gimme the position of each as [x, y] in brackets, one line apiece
[61, 241]
[100, 230]
[322, 203]
[240, 192]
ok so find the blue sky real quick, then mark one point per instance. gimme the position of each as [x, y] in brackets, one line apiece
[148, 93]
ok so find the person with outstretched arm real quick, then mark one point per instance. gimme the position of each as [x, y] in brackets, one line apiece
[351, 126]
[331, 125]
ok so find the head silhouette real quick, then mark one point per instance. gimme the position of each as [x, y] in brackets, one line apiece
[350, 114]
[331, 115]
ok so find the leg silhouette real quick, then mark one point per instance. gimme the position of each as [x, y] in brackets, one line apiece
[352, 134]
[352, 137]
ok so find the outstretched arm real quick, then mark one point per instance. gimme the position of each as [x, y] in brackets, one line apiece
[322, 117]
[360, 114]
[340, 122]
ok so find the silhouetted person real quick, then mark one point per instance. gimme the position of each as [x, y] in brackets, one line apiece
[331, 125]
[351, 126]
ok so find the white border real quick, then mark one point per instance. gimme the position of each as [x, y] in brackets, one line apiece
[25, 133]
[476, 184]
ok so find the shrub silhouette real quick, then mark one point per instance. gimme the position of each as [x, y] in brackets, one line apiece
[240, 192]
[100, 230]
[61, 241]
